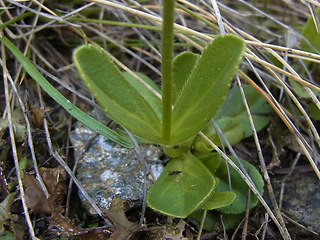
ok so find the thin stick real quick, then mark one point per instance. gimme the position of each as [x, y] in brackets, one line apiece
[28, 126]
[248, 181]
[218, 16]
[314, 16]
[246, 218]
[202, 224]
[109, 220]
[261, 159]
[29, 138]
[150, 17]
[291, 127]
[13, 145]
[144, 163]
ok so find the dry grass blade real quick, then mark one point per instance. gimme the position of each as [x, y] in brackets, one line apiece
[262, 161]
[314, 16]
[218, 15]
[283, 231]
[59, 159]
[13, 144]
[314, 3]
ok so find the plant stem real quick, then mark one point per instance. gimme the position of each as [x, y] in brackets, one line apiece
[166, 67]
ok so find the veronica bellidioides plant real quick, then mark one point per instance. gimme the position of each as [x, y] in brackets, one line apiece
[193, 88]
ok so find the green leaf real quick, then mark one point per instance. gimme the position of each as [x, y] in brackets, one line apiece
[5, 212]
[178, 150]
[149, 96]
[213, 220]
[206, 86]
[210, 219]
[211, 160]
[218, 200]
[314, 111]
[233, 120]
[130, 78]
[238, 186]
[233, 107]
[7, 235]
[18, 125]
[232, 128]
[60, 99]
[310, 32]
[182, 186]
[183, 65]
[125, 99]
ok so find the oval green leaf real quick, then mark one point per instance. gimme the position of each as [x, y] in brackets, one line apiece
[233, 107]
[218, 200]
[124, 100]
[183, 65]
[182, 186]
[212, 161]
[148, 95]
[238, 186]
[232, 128]
[206, 86]
[311, 34]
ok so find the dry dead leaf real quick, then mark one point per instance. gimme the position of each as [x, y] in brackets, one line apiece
[37, 117]
[34, 195]
[63, 225]
[96, 234]
[54, 179]
[122, 226]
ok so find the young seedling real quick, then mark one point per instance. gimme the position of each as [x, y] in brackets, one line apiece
[193, 88]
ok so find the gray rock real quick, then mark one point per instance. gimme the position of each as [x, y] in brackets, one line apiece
[301, 199]
[106, 169]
